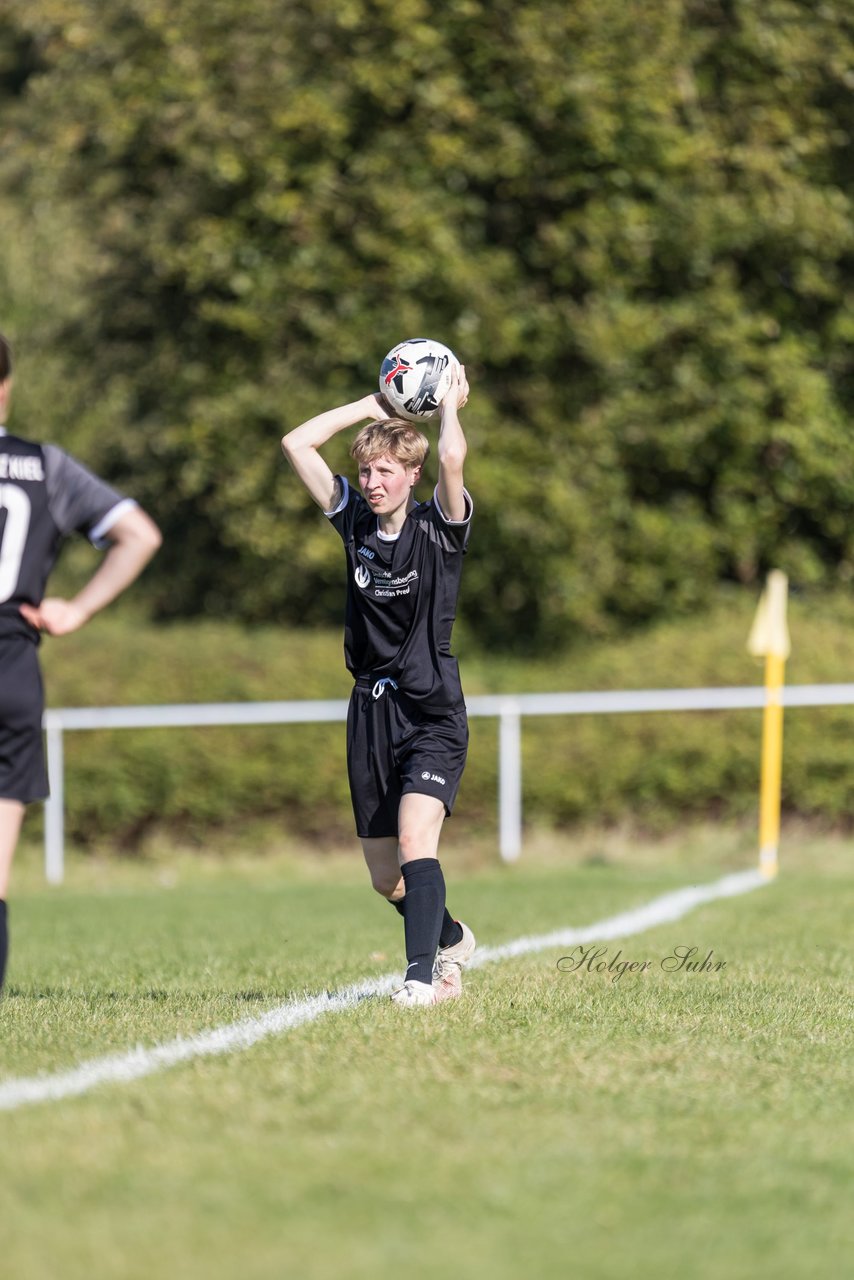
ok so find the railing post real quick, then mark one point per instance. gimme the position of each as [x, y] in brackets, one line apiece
[54, 809]
[510, 782]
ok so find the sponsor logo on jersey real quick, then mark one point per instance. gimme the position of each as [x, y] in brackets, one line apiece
[366, 552]
[427, 776]
[362, 576]
[385, 586]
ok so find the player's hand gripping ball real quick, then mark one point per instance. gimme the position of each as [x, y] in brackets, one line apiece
[415, 376]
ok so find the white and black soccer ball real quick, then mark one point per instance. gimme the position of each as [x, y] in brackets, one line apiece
[415, 376]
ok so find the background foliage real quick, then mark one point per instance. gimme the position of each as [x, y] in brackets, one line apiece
[631, 218]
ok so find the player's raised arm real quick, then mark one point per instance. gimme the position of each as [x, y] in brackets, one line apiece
[452, 449]
[301, 445]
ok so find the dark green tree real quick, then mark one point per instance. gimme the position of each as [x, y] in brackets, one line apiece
[633, 220]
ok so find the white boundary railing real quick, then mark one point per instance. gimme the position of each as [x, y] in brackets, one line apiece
[509, 708]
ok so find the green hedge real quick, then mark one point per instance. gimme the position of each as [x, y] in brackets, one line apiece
[652, 770]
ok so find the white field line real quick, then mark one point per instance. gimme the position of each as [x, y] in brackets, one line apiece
[121, 1068]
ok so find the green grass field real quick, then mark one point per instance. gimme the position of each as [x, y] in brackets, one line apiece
[550, 1124]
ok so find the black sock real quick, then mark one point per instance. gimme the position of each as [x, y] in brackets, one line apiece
[423, 904]
[452, 930]
[4, 939]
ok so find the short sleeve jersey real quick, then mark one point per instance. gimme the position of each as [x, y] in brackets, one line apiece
[402, 598]
[44, 496]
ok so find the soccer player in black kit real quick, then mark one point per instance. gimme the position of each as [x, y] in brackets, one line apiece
[45, 495]
[407, 733]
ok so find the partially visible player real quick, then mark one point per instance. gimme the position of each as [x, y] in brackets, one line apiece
[45, 495]
[407, 732]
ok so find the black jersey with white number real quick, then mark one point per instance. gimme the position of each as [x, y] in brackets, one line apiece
[44, 495]
[402, 598]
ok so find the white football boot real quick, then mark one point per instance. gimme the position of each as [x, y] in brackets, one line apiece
[447, 975]
[413, 993]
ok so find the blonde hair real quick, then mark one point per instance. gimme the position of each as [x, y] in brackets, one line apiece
[393, 437]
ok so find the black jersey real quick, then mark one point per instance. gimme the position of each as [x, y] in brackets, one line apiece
[402, 598]
[44, 495]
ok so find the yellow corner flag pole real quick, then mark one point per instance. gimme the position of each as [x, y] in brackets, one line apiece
[769, 639]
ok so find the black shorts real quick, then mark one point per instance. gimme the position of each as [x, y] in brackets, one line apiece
[394, 748]
[23, 775]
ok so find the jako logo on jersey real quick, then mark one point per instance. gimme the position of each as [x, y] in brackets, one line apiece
[432, 777]
[362, 576]
[366, 552]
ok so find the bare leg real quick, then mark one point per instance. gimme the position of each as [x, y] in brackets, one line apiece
[384, 866]
[420, 821]
[11, 817]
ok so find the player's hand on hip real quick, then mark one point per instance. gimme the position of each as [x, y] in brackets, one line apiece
[55, 616]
